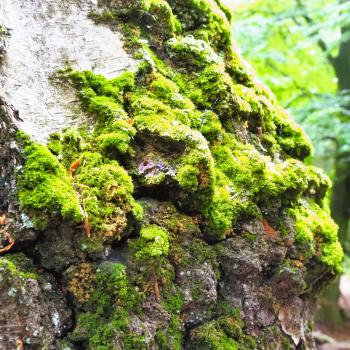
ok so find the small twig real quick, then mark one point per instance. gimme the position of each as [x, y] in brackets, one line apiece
[3, 219]
[87, 225]
[19, 344]
[268, 229]
[10, 245]
[156, 287]
[74, 167]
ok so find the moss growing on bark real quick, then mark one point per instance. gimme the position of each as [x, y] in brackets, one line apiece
[224, 333]
[231, 176]
[105, 190]
[205, 21]
[191, 126]
[45, 188]
[193, 52]
[316, 234]
[18, 265]
[107, 311]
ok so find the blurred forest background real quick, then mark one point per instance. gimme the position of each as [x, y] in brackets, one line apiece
[301, 50]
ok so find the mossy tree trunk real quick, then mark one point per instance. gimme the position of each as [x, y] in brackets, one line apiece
[192, 178]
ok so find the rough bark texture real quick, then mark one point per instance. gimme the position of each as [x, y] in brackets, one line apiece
[186, 219]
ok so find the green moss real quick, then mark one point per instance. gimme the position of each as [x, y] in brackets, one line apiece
[245, 178]
[187, 176]
[108, 311]
[73, 142]
[172, 302]
[18, 265]
[54, 144]
[137, 211]
[115, 138]
[204, 21]
[124, 82]
[211, 90]
[291, 138]
[154, 17]
[220, 213]
[225, 332]
[45, 189]
[105, 189]
[159, 110]
[211, 338]
[165, 21]
[152, 243]
[225, 9]
[101, 97]
[316, 234]
[209, 125]
[191, 52]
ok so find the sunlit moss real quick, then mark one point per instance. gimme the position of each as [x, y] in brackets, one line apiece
[152, 243]
[316, 234]
[45, 188]
[105, 189]
[191, 52]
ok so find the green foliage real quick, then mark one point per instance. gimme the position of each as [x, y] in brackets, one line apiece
[293, 48]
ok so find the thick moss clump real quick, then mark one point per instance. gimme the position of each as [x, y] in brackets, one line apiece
[233, 179]
[204, 20]
[190, 51]
[105, 190]
[45, 188]
[152, 243]
[316, 234]
[224, 333]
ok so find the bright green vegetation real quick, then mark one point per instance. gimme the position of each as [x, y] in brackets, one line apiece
[45, 188]
[100, 190]
[217, 172]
